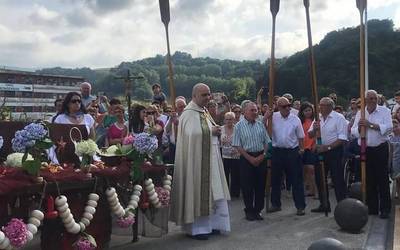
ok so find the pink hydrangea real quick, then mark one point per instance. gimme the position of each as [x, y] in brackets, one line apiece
[17, 232]
[83, 244]
[128, 140]
[163, 196]
[125, 222]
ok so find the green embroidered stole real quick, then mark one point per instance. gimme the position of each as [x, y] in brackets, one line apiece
[205, 166]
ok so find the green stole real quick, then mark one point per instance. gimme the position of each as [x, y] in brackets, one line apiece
[205, 166]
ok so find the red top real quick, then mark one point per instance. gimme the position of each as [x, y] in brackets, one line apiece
[115, 132]
[308, 142]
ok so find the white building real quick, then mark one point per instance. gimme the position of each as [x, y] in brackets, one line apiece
[32, 95]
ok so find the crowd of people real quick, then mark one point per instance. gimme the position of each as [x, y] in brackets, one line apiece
[220, 149]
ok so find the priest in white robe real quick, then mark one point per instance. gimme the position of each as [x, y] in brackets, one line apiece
[199, 190]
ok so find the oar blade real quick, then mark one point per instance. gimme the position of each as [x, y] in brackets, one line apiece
[164, 10]
[306, 3]
[274, 6]
[361, 4]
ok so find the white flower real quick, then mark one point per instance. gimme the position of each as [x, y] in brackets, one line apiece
[92, 147]
[87, 147]
[112, 150]
[81, 148]
[15, 159]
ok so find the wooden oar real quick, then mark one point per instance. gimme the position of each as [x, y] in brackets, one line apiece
[274, 8]
[165, 18]
[313, 75]
[361, 5]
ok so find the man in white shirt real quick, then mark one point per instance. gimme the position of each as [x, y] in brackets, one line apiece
[287, 147]
[171, 127]
[333, 127]
[290, 99]
[378, 124]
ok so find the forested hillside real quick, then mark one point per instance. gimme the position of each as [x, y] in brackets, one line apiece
[337, 58]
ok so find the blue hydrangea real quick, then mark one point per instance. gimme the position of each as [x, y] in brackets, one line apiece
[35, 131]
[27, 137]
[145, 143]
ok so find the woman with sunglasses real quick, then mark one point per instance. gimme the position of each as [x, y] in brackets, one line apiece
[73, 112]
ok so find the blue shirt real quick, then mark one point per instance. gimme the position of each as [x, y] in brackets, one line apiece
[251, 136]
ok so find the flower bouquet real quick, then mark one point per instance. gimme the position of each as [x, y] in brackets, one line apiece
[85, 242]
[33, 140]
[144, 145]
[86, 149]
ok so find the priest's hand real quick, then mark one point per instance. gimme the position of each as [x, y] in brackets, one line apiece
[216, 131]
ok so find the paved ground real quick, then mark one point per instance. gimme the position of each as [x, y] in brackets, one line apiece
[281, 230]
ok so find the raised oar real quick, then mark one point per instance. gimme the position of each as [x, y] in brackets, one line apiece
[274, 7]
[361, 5]
[165, 18]
[313, 76]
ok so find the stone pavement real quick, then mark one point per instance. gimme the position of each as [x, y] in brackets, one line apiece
[282, 230]
[278, 231]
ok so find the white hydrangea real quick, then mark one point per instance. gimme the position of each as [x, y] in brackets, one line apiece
[88, 147]
[15, 159]
[112, 150]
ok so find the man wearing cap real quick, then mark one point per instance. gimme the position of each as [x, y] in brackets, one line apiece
[287, 148]
[289, 97]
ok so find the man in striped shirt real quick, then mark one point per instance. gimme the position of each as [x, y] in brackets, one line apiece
[251, 140]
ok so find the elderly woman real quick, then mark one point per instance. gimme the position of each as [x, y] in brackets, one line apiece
[118, 130]
[73, 112]
[237, 110]
[230, 155]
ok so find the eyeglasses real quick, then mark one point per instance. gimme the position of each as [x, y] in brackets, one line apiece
[285, 106]
[75, 101]
[150, 113]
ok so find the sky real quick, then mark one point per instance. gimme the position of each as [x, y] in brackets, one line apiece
[103, 33]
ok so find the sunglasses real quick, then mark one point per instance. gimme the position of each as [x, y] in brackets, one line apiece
[75, 101]
[150, 113]
[285, 106]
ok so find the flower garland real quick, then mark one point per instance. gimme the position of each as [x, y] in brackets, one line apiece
[159, 196]
[17, 234]
[151, 192]
[67, 217]
[126, 217]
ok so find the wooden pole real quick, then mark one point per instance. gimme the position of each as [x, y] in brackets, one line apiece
[361, 5]
[313, 75]
[274, 8]
[165, 18]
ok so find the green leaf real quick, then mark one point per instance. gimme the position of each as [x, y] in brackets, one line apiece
[91, 240]
[31, 166]
[44, 144]
[136, 172]
[25, 156]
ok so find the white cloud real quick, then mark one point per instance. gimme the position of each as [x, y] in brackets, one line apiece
[102, 33]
